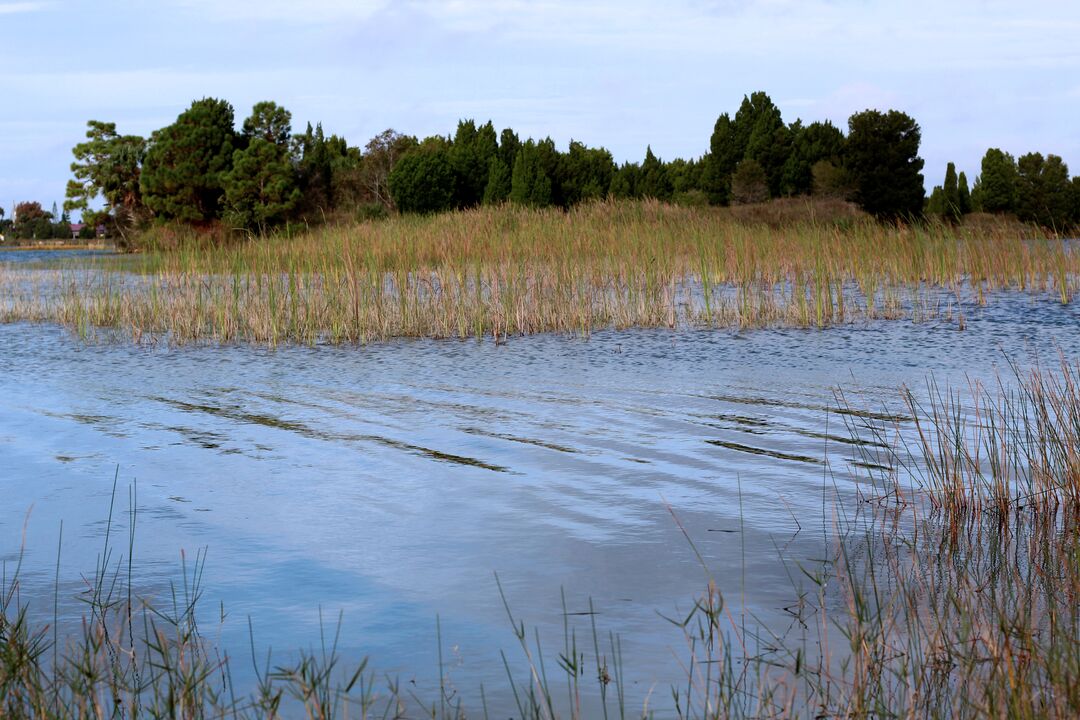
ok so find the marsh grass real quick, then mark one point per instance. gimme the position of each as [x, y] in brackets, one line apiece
[952, 594]
[1000, 450]
[509, 271]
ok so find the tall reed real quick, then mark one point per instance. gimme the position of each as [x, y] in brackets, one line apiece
[509, 271]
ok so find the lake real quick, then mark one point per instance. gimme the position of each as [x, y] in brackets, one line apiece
[391, 482]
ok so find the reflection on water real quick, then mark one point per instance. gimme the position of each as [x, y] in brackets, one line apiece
[391, 481]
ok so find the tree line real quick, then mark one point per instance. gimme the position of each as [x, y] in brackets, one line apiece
[30, 221]
[203, 170]
[1036, 189]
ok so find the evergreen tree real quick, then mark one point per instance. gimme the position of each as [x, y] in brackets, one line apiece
[749, 183]
[754, 124]
[950, 194]
[724, 154]
[509, 144]
[471, 154]
[625, 181]
[530, 184]
[549, 161]
[997, 183]
[769, 142]
[935, 206]
[817, 142]
[882, 158]
[260, 190]
[685, 175]
[965, 195]
[653, 182]
[498, 185]
[316, 155]
[757, 132]
[1044, 194]
[523, 176]
[424, 181]
[585, 173]
[1075, 186]
[830, 180]
[184, 168]
[270, 122]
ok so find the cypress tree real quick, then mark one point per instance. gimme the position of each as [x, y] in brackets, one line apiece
[498, 185]
[424, 181]
[624, 182]
[521, 179]
[724, 155]
[654, 182]
[965, 195]
[530, 184]
[936, 204]
[951, 194]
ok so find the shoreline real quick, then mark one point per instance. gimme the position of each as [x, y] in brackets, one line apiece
[64, 246]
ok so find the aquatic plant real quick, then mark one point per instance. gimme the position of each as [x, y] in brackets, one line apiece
[509, 271]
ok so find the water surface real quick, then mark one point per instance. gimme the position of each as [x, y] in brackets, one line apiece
[391, 482]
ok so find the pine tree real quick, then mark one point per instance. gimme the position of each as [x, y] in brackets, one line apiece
[182, 175]
[260, 189]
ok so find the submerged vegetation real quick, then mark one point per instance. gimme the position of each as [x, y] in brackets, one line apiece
[950, 589]
[508, 271]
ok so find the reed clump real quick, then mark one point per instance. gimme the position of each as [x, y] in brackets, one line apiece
[1002, 450]
[511, 271]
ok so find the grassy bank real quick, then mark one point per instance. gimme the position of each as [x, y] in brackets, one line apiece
[509, 271]
[952, 590]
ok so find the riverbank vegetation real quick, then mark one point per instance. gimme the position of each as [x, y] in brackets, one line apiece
[204, 173]
[936, 599]
[510, 270]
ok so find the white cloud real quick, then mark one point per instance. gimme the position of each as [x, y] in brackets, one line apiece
[309, 12]
[12, 8]
[623, 73]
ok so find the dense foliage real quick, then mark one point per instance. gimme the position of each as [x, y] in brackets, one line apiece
[200, 170]
[882, 157]
[30, 221]
[184, 171]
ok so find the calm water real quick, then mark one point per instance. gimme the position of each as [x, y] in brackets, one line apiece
[391, 482]
[42, 255]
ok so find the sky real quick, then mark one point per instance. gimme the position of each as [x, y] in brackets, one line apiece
[619, 73]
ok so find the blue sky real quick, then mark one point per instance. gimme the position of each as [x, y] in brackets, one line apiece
[619, 73]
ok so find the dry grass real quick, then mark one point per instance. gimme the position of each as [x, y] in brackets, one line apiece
[510, 271]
